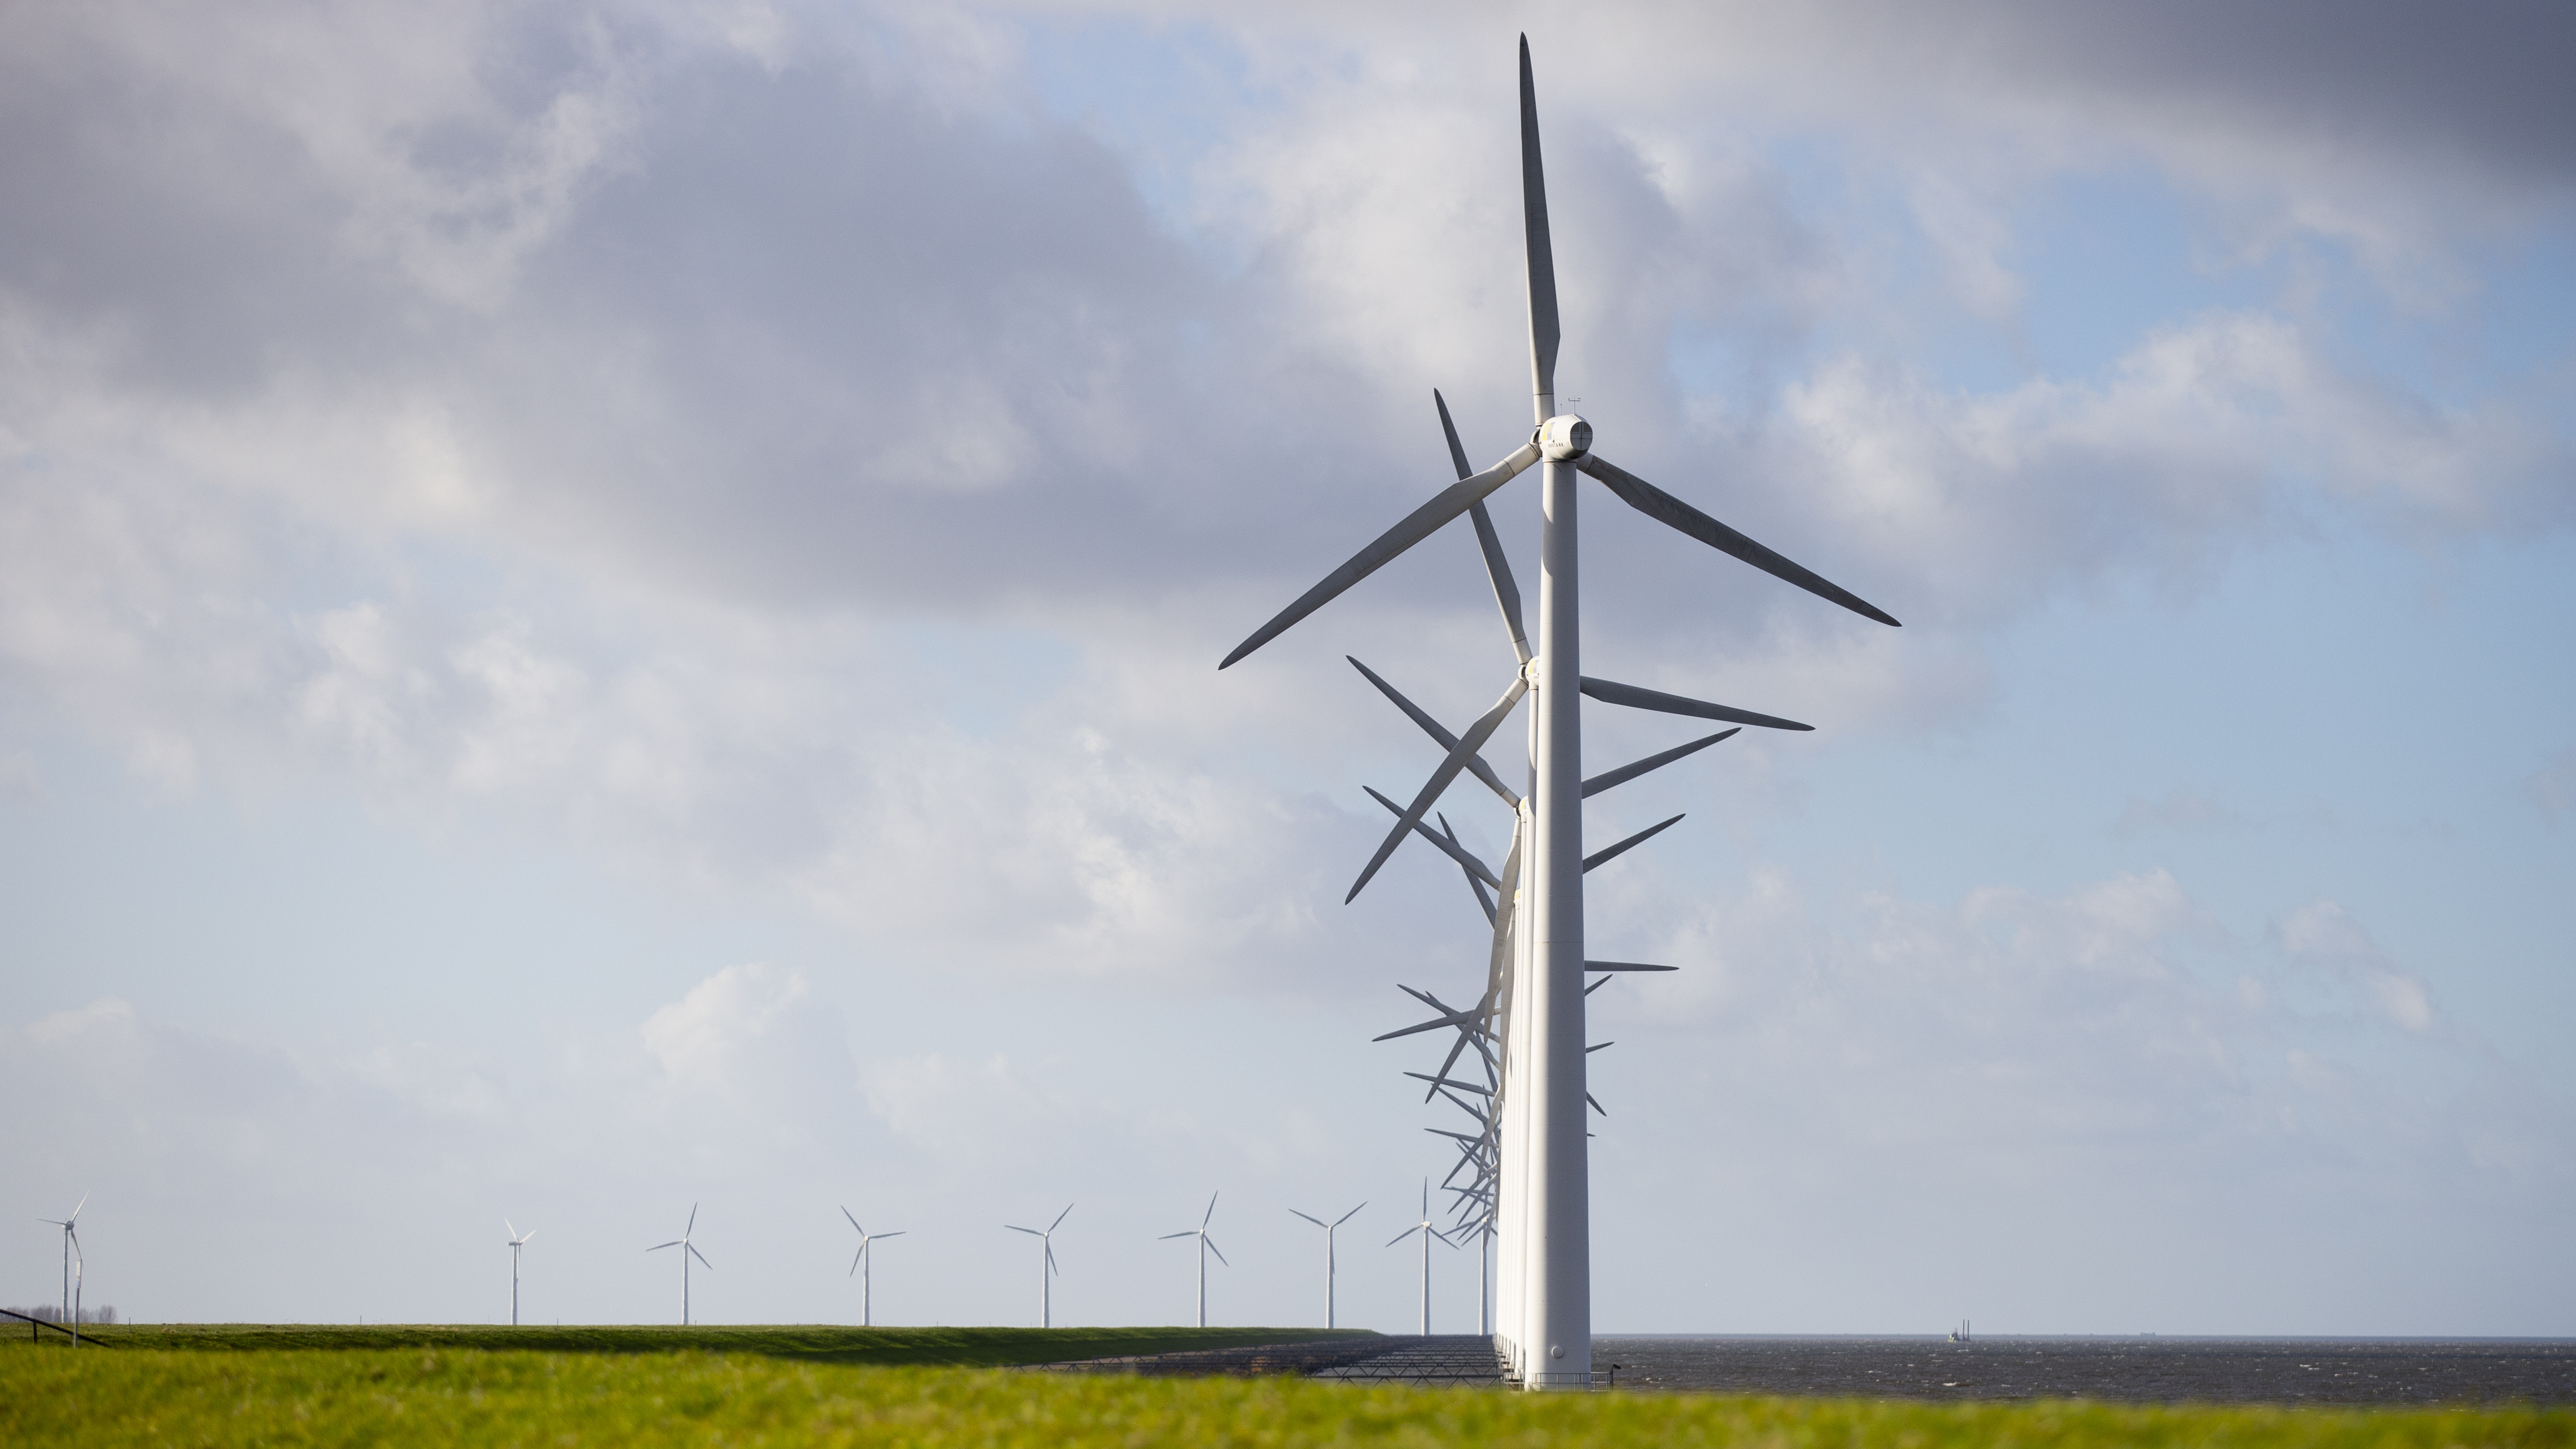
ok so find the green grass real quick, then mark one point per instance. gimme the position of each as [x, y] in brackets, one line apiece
[440, 1395]
[820, 1342]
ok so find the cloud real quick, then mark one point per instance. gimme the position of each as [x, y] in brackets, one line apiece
[558, 413]
[955, 1107]
[2180, 810]
[2323, 936]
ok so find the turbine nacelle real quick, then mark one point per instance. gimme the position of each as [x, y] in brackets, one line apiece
[1564, 438]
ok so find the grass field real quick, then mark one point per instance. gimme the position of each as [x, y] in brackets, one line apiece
[439, 1395]
[819, 1342]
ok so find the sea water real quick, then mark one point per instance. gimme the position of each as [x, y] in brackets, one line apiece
[2147, 1369]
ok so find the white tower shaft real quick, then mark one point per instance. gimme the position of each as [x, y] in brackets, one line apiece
[1557, 1292]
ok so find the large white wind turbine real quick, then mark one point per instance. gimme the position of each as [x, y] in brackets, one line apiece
[519, 1240]
[868, 1261]
[1534, 1006]
[75, 1266]
[1428, 1232]
[1328, 1254]
[1046, 1263]
[1207, 1245]
[688, 1250]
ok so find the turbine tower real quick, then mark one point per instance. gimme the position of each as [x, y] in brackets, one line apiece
[1046, 1263]
[1428, 1232]
[1207, 1245]
[75, 1266]
[1328, 1254]
[1533, 1010]
[865, 1260]
[519, 1240]
[688, 1250]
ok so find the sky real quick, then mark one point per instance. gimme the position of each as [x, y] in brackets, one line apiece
[611, 608]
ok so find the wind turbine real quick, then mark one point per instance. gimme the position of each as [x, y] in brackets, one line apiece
[1544, 1191]
[1328, 1253]
[1428, 1232]
[74, 1264]
[688, 1250]
[1207, 1245]
[1046, 1263]
[519, 1240]
[864, 1260]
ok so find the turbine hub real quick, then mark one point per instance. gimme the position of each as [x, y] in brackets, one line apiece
[1564, 438]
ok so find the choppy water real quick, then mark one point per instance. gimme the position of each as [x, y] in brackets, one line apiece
[2225, 1370]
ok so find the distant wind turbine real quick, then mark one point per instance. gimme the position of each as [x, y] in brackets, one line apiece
[74, 1265]
[1046, 1265]
[1207, 1245]
[867, 1261]
[1428, 1232]
[1328, 1253]
[518, 1240]
[688, 1250]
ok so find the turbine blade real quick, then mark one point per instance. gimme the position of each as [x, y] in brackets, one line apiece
[1059, 1218]
[1439, 1082]
[1183, 1233]
[701, 1257]
[1664, 508]
[1596, 1104]
[1506, 925]
[1416, 526]
[893, 1235]
[1598, 1045]
[1498, 569]
[1476, 869]
[854, 1261]
[1213, 1248]
[657, 1247]
[1473, 741]
[1432, 727]
[854, 1222]
[1450, 1060]
[1319, 1222]
[1346, 1217]
[1542, 257]
[1610, 691]
[1628, 772]
[1050, 1261]
[1400, 1237]
[1460, 1019]
[693, 1221]
[1607, 854]
[1625, 966]
[1032, 1232]
[1597, 985]
[1210, 1215]
[1484, 902]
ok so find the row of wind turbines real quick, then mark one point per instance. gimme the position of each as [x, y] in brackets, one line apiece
[862, 1264]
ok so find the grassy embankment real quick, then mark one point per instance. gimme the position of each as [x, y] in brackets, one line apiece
[820, 1342]
[438, 1395]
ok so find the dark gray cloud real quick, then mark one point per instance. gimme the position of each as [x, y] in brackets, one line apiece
[2481, 86]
